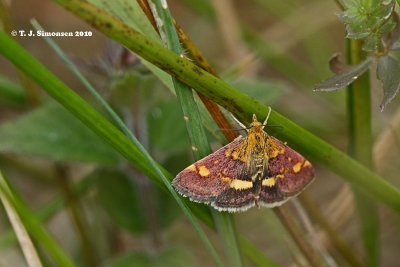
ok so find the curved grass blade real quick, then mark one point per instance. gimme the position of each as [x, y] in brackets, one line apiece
[26, 244]
[32, 224]
[196, 131]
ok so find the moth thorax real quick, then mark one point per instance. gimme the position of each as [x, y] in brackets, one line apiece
[256, 141]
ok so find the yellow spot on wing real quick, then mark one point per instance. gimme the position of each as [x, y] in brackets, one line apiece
[297, 167]
[241, 184]
[225, 179]
[270, 182]
[235, 155]
[216, 161]
[280, 176]
[274, 148]
[275, 152]
[203, 171]
[307, 164]
[191, 168]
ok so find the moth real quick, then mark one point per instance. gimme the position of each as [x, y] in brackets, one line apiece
[253, 170]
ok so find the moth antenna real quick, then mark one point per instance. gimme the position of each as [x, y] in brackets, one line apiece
[241, 124]
[266, 119]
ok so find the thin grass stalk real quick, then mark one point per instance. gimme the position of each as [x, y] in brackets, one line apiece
[340, 245]
[223, 222]
[33, 226]
[296, 233]
[254, 254]
[76, 214]
[360, 147]
[28, 249]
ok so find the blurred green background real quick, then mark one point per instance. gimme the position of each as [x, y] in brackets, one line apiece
[275, 51]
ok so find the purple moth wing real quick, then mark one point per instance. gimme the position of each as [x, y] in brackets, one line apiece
[207, 178]
[236, 200]
[290, 170]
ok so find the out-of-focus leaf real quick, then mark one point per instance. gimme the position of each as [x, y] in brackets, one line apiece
[203, 7]
[11, 93]
[171, 257]
[52, 132]
[167, 129]
[344, 79]
[388, 72]
[263, 90]
[130, 13]
[123, 200]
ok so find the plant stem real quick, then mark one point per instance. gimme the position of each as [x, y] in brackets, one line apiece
[360, 147]
[315, 213]
[75, 210]
[297, 234]
[33, 226]
[200, 147]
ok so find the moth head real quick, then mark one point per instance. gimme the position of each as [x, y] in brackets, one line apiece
[255, 124]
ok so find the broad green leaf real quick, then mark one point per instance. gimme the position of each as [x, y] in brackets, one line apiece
[124, 201]
[171, 257]
[11, 93]
[52, 132]
[345, 78]
[388, 72]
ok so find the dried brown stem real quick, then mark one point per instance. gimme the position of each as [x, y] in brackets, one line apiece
[297, 234]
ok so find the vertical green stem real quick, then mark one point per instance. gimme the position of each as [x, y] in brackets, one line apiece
[77, 216]
[360, 147]
[197, 135]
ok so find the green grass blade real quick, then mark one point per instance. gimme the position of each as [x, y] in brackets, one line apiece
[11, 93]
[254, 254]
[198, 136]
[238, 103]
[26, 244]
[360, 147]
[48, 210]
[32, 224]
